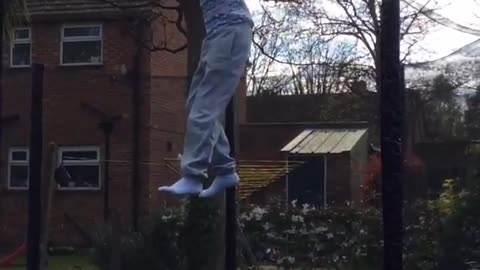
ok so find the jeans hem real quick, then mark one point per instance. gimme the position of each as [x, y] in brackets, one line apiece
[224, 172]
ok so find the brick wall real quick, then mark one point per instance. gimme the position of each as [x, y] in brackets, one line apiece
[264, 141]
[167, 97]
[68, 124]
[343, 107]
[164, 62]
[162, 101]
[166, 129]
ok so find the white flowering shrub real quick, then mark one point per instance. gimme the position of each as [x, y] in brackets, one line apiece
[348, 237]
[307, 237]
[421, 234]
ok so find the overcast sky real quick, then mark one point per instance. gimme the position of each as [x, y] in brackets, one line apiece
[442, 40]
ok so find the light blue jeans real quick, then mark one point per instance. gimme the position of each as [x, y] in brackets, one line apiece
[222, 63]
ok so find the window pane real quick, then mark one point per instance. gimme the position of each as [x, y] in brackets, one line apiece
[82, 177]
[82, 52]
[79, 155]
[22, 34]
[19, 155]
[21, 55]
[18, 176]
[81, 32]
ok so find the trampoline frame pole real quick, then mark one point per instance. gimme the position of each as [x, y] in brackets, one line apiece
[392, 112]
[231, 198]
[325, 174]
[35, 169]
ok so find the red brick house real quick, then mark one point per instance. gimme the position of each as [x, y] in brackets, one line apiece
[96, 59]
[93, 60]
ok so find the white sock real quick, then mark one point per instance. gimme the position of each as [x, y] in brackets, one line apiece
[219, 184]
[183, 186]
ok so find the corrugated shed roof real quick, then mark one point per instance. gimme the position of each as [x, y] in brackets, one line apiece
[324, 141]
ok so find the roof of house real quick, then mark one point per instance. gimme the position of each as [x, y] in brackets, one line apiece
[82, 7]
[325, 141]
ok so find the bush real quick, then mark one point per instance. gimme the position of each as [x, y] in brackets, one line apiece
[421, 236]
[437, 233]
[471, 226]
[459, 212]
[169, 239]
[199, 237]
[155, 247]
[310, 237]
[347, 237]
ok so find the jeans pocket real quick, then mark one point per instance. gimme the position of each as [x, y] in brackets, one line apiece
[221, 49]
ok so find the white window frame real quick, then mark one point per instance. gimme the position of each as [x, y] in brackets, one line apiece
[16, 162]
[79, 39]
[95, 162]
[21, 41]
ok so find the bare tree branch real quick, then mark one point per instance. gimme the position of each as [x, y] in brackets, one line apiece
[293, 63]
[299, 62]
[150, 11]
[443, 20]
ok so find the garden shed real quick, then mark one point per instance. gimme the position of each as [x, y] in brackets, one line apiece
[333, 163]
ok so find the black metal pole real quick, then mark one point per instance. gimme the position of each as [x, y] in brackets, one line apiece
[35, 170]
[392, 126]
[136, 79]
[106, 174]
[107, 128]
[2, 17]
[231, 200]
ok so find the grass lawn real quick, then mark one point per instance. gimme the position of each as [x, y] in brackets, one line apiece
[59, 263]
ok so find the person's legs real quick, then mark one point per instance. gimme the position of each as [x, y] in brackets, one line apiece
[190, 185]
[224, 61]
[223, 164]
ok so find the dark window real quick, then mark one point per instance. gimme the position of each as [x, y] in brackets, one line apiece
[79, 155]
[21, 48]
[81, 45]
[18, 168]
[83, 167]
